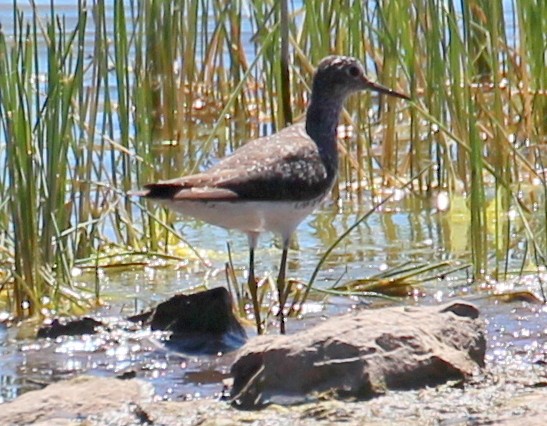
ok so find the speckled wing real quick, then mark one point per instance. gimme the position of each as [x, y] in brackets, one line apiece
[284, 166]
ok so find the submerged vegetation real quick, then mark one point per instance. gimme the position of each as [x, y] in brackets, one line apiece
[99, 99]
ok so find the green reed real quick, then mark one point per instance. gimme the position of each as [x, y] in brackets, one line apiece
[134, 91]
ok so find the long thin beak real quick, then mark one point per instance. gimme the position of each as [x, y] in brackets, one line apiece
[376, 87]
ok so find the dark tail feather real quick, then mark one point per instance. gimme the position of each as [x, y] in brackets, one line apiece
[157, 190]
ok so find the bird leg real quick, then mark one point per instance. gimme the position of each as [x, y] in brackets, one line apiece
[253, 287]
[282, 292]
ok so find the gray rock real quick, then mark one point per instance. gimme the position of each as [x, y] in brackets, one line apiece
[69, 402]
[362, 354]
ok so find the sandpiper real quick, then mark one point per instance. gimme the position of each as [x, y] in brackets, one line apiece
[272, 183]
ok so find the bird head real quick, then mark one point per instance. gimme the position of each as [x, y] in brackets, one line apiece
[340, 76]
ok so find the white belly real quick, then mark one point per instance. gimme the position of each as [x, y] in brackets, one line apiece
[281, 217]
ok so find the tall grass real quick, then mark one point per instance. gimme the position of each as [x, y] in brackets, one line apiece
[116, 94]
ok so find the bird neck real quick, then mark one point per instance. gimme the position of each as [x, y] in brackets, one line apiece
[321, 123]
[322, 119]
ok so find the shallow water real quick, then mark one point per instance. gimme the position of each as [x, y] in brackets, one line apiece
[517, 331]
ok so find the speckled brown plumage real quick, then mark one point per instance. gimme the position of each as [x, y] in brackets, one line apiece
[283, 166]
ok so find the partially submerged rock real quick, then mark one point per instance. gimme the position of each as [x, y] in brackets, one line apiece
[69, 327]
[201, 322]
[362, 354]
[208, 311]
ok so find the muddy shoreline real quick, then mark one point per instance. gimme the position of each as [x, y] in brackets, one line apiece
[500, 394]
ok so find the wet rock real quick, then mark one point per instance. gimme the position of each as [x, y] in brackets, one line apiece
[200, 323]
[362, 355]
[69, 327]
[208, 311]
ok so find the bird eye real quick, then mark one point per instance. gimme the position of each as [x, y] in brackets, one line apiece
[354, 71]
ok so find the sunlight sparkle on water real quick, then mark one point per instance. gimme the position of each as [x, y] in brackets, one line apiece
[156, 365]
[83, 344]
[398, 194]
[72, 364]
[31, 347]
[438, 296]
[442, 201]
[198, 104]
[119, 352]
[311, 308]
[76, 272]
[512, 214]
[523, 332]
[345, 131]
[46, 312]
